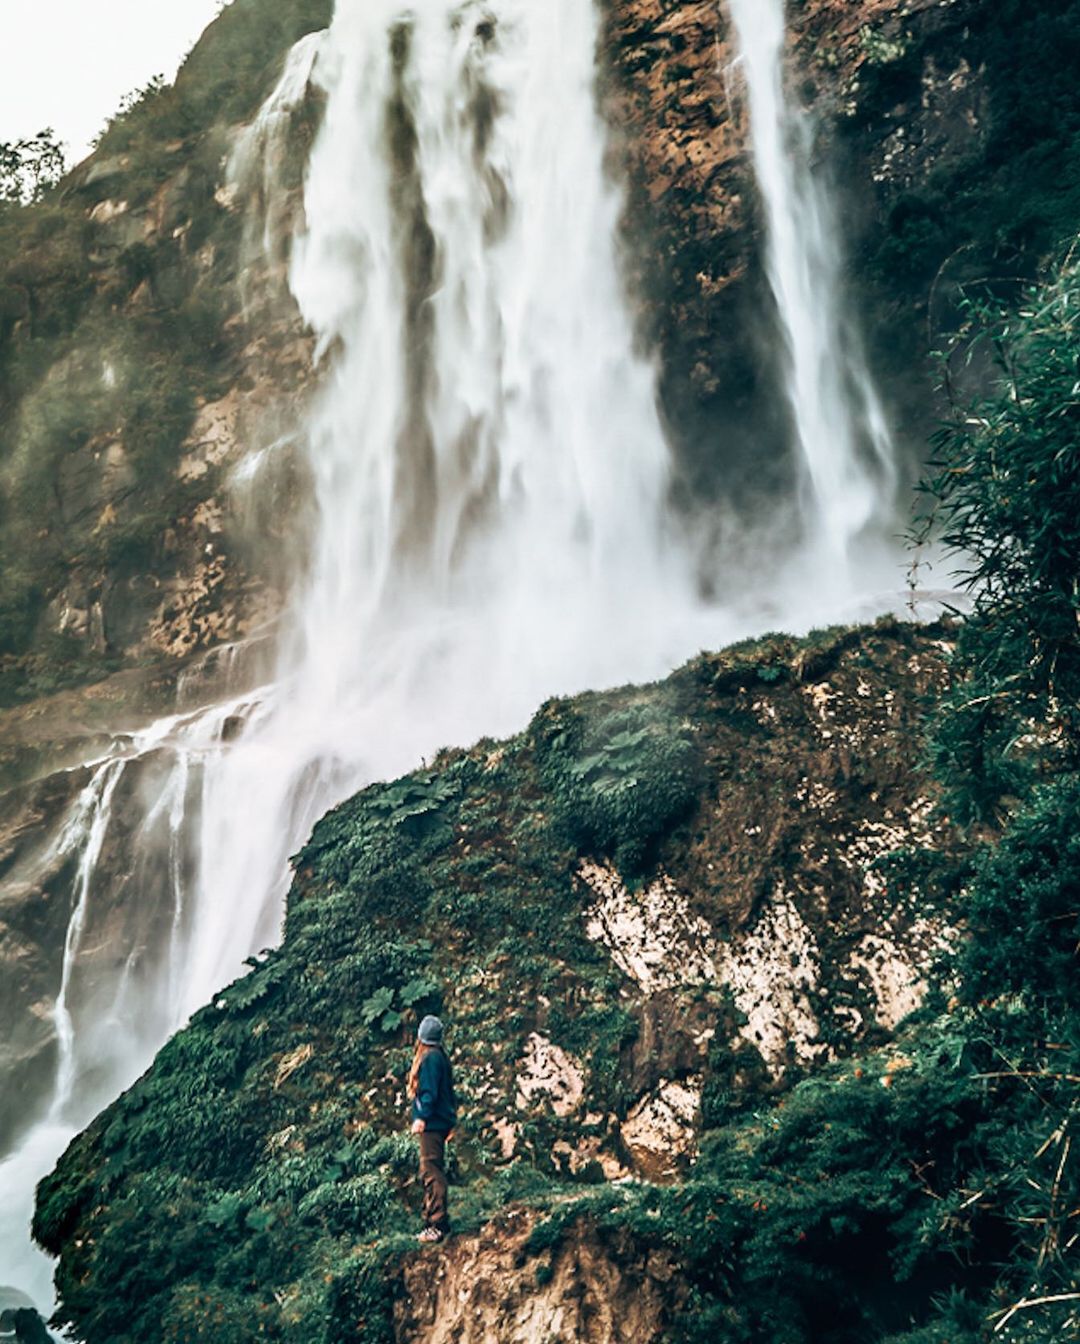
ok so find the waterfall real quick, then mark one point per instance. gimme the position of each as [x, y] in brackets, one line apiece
[84, 830]
[843, 442]
[489, 483]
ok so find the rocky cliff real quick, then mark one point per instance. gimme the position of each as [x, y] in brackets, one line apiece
[936, 125]
[132, 379]
[646, 917]
[588, 882]
[145, 349]
[148, 346]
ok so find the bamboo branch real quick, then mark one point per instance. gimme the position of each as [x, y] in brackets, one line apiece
[1034, 1302]
[1051, 1236]
[1031, 1073]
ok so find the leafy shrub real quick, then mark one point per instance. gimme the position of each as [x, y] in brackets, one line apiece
[30, 167]
[196, 1315]
[618, 779]
[360, 1299]
[353, 1207]
[1024, 913]
[1005, 494]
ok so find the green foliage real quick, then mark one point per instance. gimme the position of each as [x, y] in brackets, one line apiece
[140, 102]
[361, 1296]
[76, 292]
[1005, 495]
[1024, 912]
[226, 76]
[882, 48]
[1015, 195]
[226, 1316]
[1005, 490]
[252, 989]
[257, 1182]
[378, 1007]
[619, 779]
[30, 167]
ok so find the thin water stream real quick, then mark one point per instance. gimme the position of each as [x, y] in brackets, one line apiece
[490, 482]
[842, 439]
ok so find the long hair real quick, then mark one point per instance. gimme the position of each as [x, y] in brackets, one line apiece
[419, 1055]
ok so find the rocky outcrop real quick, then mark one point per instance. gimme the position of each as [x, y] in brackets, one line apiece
[489, 1289]
[147, 453]
[635, 956]
[166, 353]
[654, 910]
[137, 373]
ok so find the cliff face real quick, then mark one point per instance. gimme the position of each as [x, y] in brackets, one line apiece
[132, 379]
[927, 120]
[146, 346]
[645, 916]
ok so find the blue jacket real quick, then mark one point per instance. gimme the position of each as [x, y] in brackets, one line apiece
[435, 1102]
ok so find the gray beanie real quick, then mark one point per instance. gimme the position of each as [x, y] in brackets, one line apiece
[430, 1031]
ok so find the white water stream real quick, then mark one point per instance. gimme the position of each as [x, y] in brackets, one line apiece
[490, 483]
[844, 445]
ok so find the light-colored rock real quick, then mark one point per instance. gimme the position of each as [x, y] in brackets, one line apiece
[874, 839]
[773, 969]
[106, 211]
[660, 1129]
[656, 940]
[549, 1075]
[290, 1063]
[213, 438]
[586, 1150]
[652, 935]
[507, 1134]
[896, 971]
[770, 971]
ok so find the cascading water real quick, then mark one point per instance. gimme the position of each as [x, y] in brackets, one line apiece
[487, 463]
[489, 481]
[842, 436]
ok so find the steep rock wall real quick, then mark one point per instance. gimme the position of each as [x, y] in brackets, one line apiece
[133, 378]
[146, 344]
[929, 124]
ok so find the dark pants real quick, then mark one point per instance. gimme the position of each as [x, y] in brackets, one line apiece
[433, 1175]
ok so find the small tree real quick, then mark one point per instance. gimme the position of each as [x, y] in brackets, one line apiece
[1004, 494]
[28, 168]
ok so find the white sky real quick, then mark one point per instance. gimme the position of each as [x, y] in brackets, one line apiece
[68, 63]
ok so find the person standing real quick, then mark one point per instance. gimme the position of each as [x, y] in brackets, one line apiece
[434, 1114]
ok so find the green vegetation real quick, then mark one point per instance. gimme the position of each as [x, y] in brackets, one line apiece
[265, 1145]
[924, 1189]
[881, 49]
[28, 168]
[1003, 493]
[114, 327]
[255, 1183]
[1011, 199]
[620, 781]
[929, 1193]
